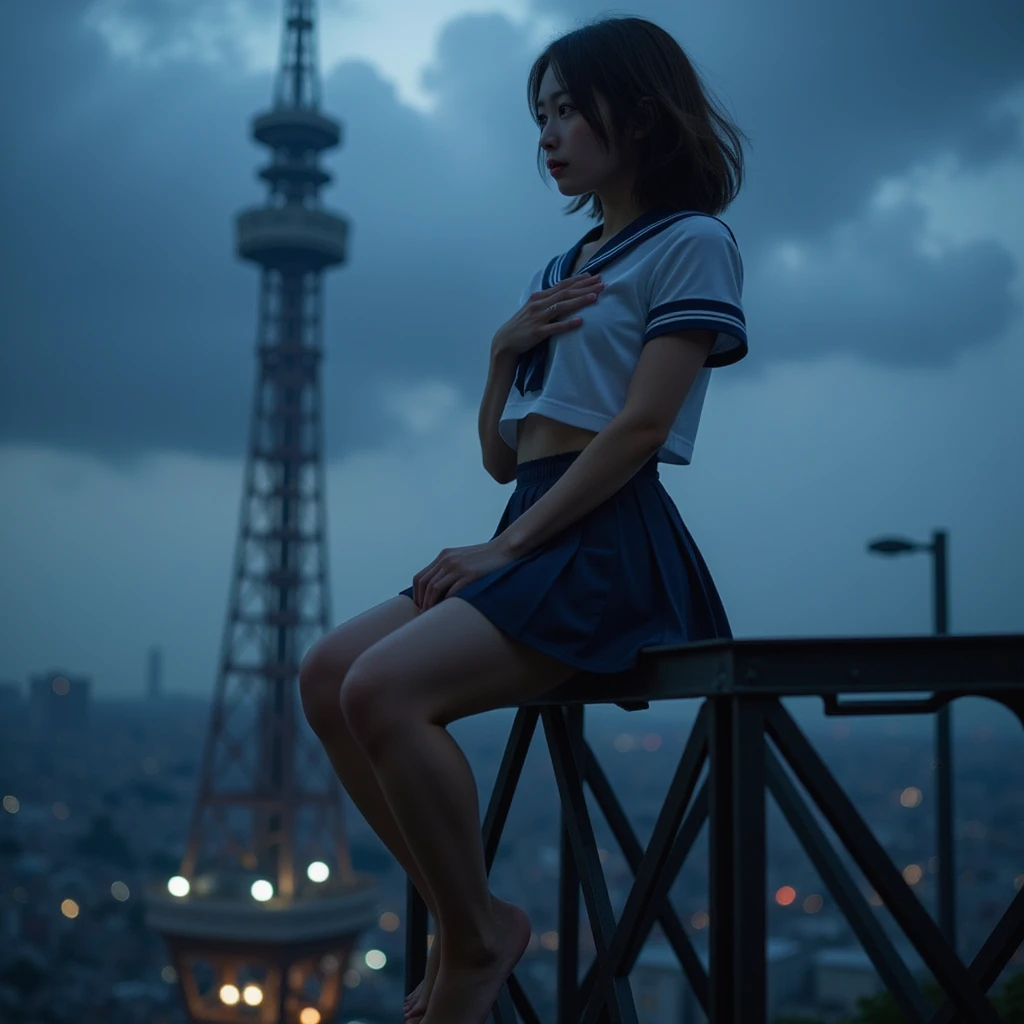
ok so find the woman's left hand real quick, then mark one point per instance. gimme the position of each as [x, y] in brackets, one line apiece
[454, 568]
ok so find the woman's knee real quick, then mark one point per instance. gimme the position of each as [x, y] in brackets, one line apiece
[368, 709]
[356, 695]
[320, 677]
[326, 667]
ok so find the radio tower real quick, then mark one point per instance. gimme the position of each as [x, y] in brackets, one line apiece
[266, 908]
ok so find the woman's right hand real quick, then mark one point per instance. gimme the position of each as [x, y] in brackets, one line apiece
[546, 313]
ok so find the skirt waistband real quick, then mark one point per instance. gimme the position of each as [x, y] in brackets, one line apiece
[552, 466]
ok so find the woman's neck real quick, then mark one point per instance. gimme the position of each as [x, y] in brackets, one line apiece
[619, 211]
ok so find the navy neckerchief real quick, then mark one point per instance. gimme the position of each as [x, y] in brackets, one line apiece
[532, 363]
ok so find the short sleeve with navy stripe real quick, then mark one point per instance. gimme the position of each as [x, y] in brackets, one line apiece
[697, 284]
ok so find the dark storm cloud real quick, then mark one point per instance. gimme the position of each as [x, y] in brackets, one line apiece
[900, 309]
[129, 325]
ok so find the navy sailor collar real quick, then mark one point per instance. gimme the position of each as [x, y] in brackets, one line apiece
[643, 227]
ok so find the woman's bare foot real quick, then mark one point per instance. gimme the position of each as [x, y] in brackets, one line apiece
[412, 999]
[416, 1001]
[465, 991]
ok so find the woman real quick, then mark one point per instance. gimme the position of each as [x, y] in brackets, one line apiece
[598, 377]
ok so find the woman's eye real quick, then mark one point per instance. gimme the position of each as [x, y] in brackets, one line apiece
[542, 119]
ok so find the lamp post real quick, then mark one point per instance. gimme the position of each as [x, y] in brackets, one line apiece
[943, 732]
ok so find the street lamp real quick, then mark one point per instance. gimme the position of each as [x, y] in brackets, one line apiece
[943, 732]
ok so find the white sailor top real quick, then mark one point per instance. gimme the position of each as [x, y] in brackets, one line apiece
[665, 272]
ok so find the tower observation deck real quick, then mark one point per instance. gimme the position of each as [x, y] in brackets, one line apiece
[266, 909]
[292, 233]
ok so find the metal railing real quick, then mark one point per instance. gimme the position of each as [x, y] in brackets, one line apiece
[751, 745]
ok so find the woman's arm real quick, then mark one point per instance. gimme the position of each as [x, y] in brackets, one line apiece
[664, 374]
[499, 459]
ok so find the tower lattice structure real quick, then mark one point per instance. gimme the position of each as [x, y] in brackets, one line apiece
[254, 931]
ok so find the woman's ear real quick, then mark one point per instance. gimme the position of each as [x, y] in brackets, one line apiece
[644, 117]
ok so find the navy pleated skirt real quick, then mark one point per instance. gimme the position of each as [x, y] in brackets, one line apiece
[625, 576]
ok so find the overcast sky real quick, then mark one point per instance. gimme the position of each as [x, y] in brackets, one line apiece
[882, 230]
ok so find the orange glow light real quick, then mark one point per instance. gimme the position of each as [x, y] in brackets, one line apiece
[912, 874]
[911, 797]
[785, 896]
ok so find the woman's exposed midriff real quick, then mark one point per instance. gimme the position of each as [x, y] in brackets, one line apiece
[538, 436]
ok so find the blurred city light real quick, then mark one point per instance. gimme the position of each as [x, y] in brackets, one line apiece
[318, 871]
[911, 796]
[261, 890]
[785, 895]
[375, 959]
[229, 995]
[178, 886]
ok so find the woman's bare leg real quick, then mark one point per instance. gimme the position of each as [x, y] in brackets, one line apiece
[320, 679]
[445, 664]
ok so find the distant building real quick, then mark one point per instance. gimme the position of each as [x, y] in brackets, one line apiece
[10, 696]
[59, 701]
[846, 974]
[660, 992]
[662, 995]
[842, 977]
[11, 709]
[154, 674]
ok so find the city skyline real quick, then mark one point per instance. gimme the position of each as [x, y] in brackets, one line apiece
[74, 833]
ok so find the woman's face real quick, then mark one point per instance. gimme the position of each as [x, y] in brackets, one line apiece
[565, 136]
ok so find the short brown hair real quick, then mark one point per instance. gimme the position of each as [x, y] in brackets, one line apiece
[690, 157]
